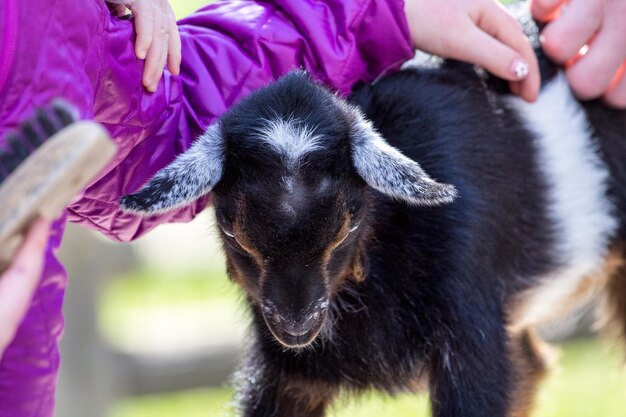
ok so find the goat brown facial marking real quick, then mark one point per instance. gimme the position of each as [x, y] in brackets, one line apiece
[341, 236]
[243, 241]
[354, 268]
[355, 271]
[237, 276]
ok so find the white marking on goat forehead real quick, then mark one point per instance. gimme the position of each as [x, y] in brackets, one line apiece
[291, 138]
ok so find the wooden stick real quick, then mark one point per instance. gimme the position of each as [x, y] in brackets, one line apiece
[46, 182]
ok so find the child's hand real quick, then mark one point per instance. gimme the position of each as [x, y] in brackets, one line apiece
[481, 32]
[18, 283]
[157, 38]
[598, 24]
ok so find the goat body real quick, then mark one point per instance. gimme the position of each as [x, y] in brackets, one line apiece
[363, 272]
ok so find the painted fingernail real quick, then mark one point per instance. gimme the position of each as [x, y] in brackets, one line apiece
[519, 69]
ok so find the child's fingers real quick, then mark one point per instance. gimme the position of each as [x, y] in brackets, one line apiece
[155, 62]
[157, 54]
[482, 49]
[144, 27]
[481, 32]
[19, 282]
[593, 73]
[157, 41]
[499, 59]
[497, 22]
[545, 10]
[563, 38]
[174, 47]
[616, 96]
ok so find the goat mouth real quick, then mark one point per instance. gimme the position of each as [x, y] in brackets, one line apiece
[295, 339]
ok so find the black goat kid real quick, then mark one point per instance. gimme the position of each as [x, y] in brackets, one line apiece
[363, 272]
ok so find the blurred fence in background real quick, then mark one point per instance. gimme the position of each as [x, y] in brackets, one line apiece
[120, 346]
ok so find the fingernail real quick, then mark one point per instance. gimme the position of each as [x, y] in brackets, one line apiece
[519, 69]
[542, 39]
[142, 54]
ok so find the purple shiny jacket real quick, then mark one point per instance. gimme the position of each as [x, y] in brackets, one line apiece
[77, 51]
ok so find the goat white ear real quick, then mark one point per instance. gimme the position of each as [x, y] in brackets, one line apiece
[387, 170]
[193, 174]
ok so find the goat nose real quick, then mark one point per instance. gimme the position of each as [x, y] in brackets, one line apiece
[300, 327]
[293, 326]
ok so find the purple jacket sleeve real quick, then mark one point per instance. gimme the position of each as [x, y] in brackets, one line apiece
[229, 50]
[61, 48]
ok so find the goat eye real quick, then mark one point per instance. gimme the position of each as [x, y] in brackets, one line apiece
[228, 233]
[352, 229]
[232, 236]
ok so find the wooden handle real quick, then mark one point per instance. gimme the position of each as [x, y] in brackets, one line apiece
[47, 181]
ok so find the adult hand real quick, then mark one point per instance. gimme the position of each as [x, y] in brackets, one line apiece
[18, 283]
[481, 32]
[595, 27]
[157, 40]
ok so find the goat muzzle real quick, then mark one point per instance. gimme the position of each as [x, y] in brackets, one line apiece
[295, 332]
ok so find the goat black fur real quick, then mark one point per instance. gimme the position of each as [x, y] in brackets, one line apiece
[415, 291]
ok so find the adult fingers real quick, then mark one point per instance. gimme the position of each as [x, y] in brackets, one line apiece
[174, 47]
[545, 10]
[563, 38]
[19, 282]
[591, 75]
[616, 96]
[144, 27]
[157, 54]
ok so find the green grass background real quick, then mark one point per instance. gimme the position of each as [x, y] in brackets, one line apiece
[589, 380]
